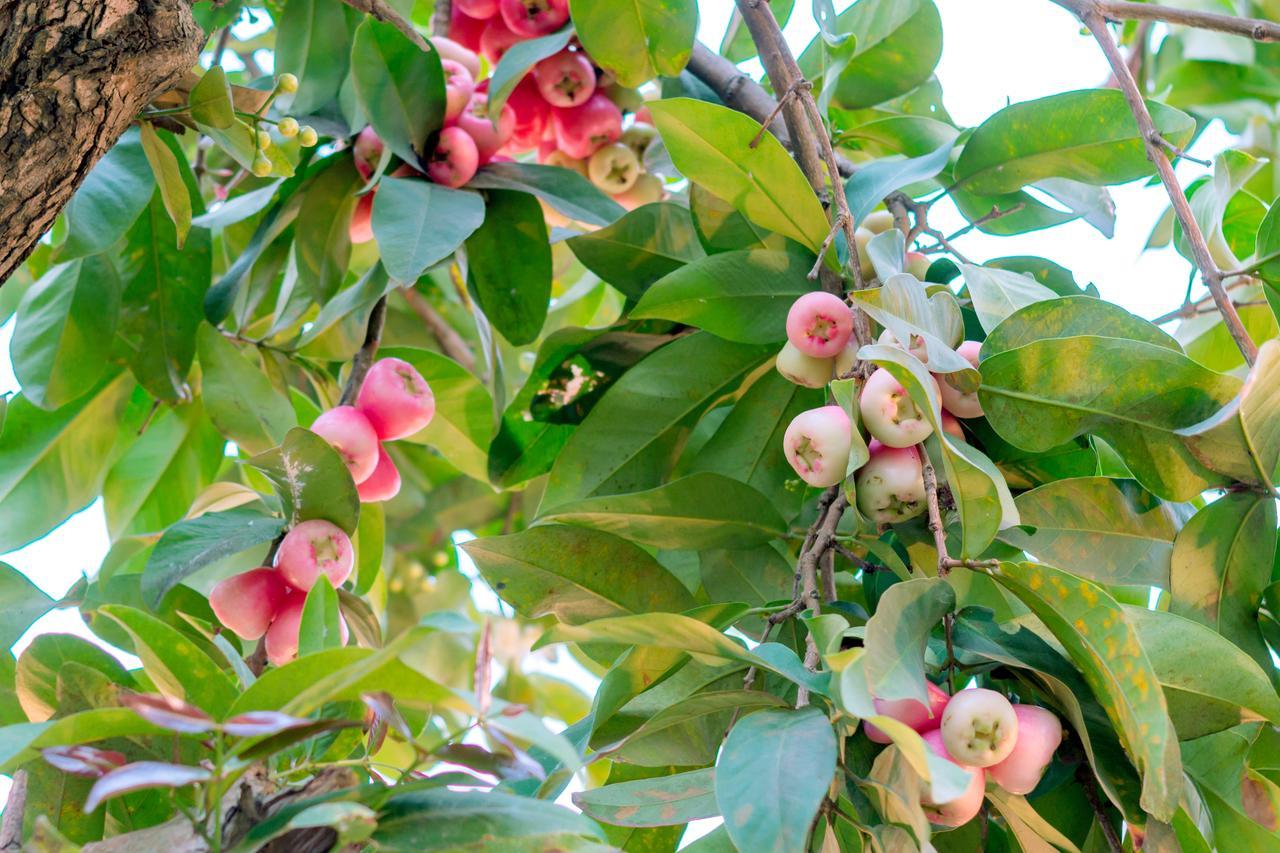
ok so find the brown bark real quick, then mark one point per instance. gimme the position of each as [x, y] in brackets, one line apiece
[73, 75]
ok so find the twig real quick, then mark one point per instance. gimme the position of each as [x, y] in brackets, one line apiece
[383, 12]
[1118, 10]
[823, 537]
[777, 110]
[1137, 55]
[1084, 775]
[364, 358]
[14, 809]
[446, 337]
[994, 213]
[935, 515]
[440, 17]
[1190, 308]
[826, 245]
[1093, 14]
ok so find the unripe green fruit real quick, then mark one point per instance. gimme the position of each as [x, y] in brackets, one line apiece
[288, 127]
[890, 414]
[639, 137]
[261, 165]
[878, 221]
[962, 404]
[861, 238]
[264, 139]
[817, 444]
[846, 360]
[287, 83]
[803, 369]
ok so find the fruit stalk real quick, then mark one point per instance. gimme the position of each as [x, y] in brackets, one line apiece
[364, 358]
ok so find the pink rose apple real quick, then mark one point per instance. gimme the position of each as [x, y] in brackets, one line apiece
[819, 324]
[384, 483]
[350, 433]
[566, 79]
[964, 808]
[533, 18]
[1039, 736]
[282, 636]
[312, 548]
[455, 158]
[890, 486]
[459, 86]
[582, 130]
[396, 399]
[955, 401]
[487, 136]
[911, 712]
[247, 602]
[890, 414]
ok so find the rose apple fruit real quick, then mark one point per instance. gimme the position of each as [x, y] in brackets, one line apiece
[533, 18]
[920, 717]
[890, 414]
[962, 809]
[466, 30]
[890, 485]
[582, 130]
[639, 137]
[532, 112]
[488, 136]
[1039, 736]
[952, 427]
[455, 159]
[396, 399]
[312, 548]
[367, 150]
[614, 168]
[482, 9]
[918, 347]
[979, 727]
[955, 401]
[647, 190]
[246, 603]
[450, 49]
[566, 79]
[819, 324]
[817, 444]
[384, 483]
[361, 228]
[459, 86]
[556, 157]
[803, 369]
[878, 221]
[862, 237]
[351, 434]
[917, 264]
[282, 636]
[496, 39]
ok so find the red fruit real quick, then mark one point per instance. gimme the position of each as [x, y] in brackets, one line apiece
[459, 86]
[955, 401]
[582, 130]
[384, 483]
[367, 150]
[455, 158]
[891, 485]
[532, 112]
[1039, 735]
[466, 30]
[497, 39]
[566, 79]
[282, 636]
[246, 603]
[533, 18]
[819, 324]
[979, 727]
[450, 49]
[311, 548]
[361, 228]
[962, 809]
[952, 427]
[477, 8]
[487, 137]
[911, 712]
[890, 414]
[351, 434]
[817, 444]
[396, 399]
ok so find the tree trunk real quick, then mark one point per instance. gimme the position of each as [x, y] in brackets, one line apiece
[73, 75]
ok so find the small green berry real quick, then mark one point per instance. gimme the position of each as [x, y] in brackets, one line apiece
[288, 127]
[307, 136]
[261, 165]
[264, 139]
[287, 83]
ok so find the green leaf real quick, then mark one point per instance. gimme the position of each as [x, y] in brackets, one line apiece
[637, 40]
[356, 302]
[163, 301]
[313, 42]
[322, 244]
[170, 180]
[664, 801]
[1243, 439]
[754, 576]
[1088, 135]
[238, 396]
[625, 442]
[982, 497]
[62, 343]
[321, 620]
[52, 464]
[640, 248]
[904, 306]
[311, 480]
[210, 100]
[576, 574]
[240, 142]
[740, 296]
[463, 422]
[445, 820]
[871, 183]
[997, 293]
[1103, 643]
[399, 86]
[51, 655]
[563, 189]
[1067, 317]
[177, 665]
[898, 44]
[721, 228]
[711, 146]
[370, 543]
[772, 775]
[1222, 563]
[897, 634]
[1132, 394]
[191, 545]
[519, 61]
[689, 732]
[698, 511]
[158, 477]
[109, 200]
[1111, 531]
[1209, 683]
[23, 603]
[509, 265]
[418, 224]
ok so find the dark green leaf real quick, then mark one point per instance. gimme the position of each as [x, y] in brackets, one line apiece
[311, 480]
[689, 732]
[509, 265]
[640, 248]
[322, 246]
[321, 620]
[418, 224]
[400, 87]
[109, 200]
[519, 61]
[563, 189]
[238, 397]
[637, 40]
[191, 545]
[23, 602]
[445, 820]
[313, 42]
[49, 656]
[664, 801]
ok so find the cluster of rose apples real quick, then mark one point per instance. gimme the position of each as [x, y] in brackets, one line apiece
[817, 443]
[394, 402]
[980, 731]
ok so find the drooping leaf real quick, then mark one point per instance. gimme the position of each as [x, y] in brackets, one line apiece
[313, 42]
[711, 145]
[110, 199]
[637, 40]
[870, 184]
[400, 87]
[640, 248]
[311, 480]
[662, 801]
[191, 545]
[509, 265]
[997, 293]
[897, 634]
[563, 189]
[418, 224]
[238, 397]
[519, 61]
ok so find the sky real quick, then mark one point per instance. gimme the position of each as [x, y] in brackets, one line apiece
[995, 52]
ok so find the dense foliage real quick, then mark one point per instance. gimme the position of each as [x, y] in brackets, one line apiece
[1096, 536]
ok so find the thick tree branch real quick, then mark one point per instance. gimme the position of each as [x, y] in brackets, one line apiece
[1118, 10]
[73, 75]
[368, 351]
[1093, 15]
[14, 808]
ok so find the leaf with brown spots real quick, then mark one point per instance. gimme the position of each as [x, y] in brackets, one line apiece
[665, 801]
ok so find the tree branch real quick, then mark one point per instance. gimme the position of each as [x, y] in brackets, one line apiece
[1084, 775]
[446, 337]
[1118, 10]
[381, 10]
[364, 358]
[440, 17]
[1092, 14]
[14, 808]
